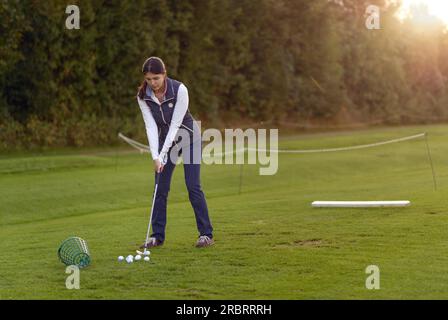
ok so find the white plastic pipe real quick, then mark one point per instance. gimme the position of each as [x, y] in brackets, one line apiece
[360, 204]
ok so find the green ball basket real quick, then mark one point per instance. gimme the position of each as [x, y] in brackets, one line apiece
[74, 251]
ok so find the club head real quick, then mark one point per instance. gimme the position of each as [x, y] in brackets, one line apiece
[144, 246]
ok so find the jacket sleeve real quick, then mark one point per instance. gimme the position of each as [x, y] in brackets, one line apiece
[178, 116]
[151, 128]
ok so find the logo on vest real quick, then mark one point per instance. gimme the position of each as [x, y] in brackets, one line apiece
[170, 105]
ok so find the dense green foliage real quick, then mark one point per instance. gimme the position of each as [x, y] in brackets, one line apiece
[279, 61]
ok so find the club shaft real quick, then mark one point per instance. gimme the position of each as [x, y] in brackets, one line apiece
[152, 208]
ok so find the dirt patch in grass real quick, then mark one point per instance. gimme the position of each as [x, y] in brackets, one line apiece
[308, 243]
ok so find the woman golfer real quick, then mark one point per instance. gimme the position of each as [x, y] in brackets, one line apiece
[172, 131]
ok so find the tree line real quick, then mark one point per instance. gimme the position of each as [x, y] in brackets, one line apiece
[277, 61]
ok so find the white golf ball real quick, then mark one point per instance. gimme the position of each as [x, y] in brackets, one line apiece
[146, 253]
[129, 259]
[146, 258]
[138, 257]
[120, 258]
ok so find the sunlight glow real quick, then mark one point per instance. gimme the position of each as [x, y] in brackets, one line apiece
[437, 8]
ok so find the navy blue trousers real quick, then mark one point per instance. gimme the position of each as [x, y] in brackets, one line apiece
[192, 171]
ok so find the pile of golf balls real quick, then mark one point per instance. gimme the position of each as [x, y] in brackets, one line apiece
[130, 258]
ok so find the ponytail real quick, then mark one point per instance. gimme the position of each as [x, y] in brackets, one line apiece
[142, 90]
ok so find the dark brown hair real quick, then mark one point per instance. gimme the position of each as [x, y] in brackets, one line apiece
[154, 65]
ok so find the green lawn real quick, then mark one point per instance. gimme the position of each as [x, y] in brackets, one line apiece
[270, 243]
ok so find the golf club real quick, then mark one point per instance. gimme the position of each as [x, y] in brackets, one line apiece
[152, 209]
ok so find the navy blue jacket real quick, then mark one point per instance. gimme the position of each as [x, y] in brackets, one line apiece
[163, 113]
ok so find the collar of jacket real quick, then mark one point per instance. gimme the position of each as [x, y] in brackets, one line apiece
[169, 95]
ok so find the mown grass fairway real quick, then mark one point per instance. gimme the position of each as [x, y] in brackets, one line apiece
[270, 243]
